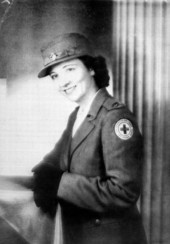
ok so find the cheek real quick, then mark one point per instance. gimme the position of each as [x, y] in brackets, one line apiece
[77, 76]
[56, 85]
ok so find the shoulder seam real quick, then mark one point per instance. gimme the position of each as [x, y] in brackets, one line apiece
[111, 103]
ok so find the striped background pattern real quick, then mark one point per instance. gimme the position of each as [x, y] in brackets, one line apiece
[141, 74]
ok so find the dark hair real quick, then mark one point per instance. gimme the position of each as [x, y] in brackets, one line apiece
[98, 64]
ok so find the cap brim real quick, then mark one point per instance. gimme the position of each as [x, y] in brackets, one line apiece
[46, 70]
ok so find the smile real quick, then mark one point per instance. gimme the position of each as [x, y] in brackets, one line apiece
[68, 90]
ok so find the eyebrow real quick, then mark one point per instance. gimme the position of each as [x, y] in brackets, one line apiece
[65, 66]
[68, 65]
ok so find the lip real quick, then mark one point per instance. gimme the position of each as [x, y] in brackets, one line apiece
[68, 89]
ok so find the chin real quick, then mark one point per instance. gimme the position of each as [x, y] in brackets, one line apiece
[72, 97]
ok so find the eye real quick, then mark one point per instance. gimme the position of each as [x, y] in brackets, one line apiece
[70, 69]
[54, 76]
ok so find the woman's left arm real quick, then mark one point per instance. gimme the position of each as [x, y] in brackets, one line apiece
[122, 155]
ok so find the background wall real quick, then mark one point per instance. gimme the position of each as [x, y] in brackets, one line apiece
[30, 24]
[32, 114]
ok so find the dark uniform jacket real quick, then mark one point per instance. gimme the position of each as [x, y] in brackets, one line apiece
[100, 185]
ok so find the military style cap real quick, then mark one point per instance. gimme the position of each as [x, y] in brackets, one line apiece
[63, 48]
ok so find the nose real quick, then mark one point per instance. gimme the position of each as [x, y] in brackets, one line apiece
[63, 83]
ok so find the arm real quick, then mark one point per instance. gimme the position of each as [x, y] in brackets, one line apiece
[120, 187]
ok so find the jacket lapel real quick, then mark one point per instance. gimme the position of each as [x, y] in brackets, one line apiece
[81, 134]
[89, 123]
[67, 141]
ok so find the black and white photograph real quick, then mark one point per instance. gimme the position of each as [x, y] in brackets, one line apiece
[84, 121]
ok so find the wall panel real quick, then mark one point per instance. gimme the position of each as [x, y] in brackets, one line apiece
[141, 73]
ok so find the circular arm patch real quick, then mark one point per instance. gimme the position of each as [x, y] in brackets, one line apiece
[124, 129]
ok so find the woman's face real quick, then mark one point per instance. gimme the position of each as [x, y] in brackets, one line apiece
[73, 79]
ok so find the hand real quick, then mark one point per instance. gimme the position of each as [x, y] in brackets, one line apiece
[46, 202]
[46, 181]
[46, 176]
[47, 169]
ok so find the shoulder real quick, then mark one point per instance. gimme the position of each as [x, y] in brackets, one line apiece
[119, 120]
[116, 110]
[112, 103]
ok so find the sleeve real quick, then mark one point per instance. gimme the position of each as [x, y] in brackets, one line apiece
[120, 187]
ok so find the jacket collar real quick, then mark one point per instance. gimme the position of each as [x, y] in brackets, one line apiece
[97, 103]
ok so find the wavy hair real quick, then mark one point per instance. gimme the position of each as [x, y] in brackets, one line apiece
[98, 64]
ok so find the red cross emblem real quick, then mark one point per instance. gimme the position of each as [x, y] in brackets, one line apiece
[124, 129]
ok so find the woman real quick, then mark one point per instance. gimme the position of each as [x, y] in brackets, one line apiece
[94, 171]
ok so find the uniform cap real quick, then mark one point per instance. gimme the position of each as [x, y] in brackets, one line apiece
[62, 48]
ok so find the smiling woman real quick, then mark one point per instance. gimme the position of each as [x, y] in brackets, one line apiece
[93, 172]
[74, 80]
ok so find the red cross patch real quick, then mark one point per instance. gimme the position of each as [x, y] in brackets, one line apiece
[124, 129]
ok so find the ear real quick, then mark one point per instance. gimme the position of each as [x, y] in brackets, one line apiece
[92, 72]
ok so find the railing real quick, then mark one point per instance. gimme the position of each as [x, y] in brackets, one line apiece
[21, 222]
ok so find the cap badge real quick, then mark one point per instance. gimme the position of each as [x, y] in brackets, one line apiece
[124, 129]
[52, 56]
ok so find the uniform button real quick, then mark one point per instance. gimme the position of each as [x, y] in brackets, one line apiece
[97, 221]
